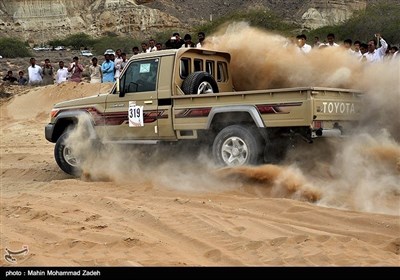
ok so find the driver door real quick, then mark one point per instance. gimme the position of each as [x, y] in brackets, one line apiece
[122, 113]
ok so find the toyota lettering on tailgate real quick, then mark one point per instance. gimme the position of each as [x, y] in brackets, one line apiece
[338, 108]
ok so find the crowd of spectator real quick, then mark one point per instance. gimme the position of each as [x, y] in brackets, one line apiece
[375, 50]
[107, 72]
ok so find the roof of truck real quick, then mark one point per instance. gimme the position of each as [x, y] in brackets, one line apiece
[179, 52]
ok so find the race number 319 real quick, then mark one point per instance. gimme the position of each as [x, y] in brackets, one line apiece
[135, 115]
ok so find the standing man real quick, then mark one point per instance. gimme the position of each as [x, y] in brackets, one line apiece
[48, 78]
[124, 61]
[21, 79]
[35, 73]
[10, 78]
[347, 46]
[301, 43]
[62, 73]
[145, 48]
[374, 54]
[117, 63]
[135, 50]
[394, 52]
[152, 45]
[357, 52]
[331, 40]
[201, 36]
[107, 68]
[159, 46]
[95, 72]
[188, 42]
[317, 42]
[76, 69]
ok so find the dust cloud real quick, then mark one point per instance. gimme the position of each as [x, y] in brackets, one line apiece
[261, 60]
[167, 166]
[361, 172]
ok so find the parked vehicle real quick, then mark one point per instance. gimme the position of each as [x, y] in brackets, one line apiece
[86, 53]
[41, 49]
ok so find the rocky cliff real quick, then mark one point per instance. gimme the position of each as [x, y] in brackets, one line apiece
[41, 20]
[308, 13]
[322, 13]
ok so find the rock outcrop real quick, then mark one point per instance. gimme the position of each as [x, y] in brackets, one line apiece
[322, 13]
[40, 20]
[308, 13]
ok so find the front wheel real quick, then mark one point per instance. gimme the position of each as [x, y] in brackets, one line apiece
[65, 157]
[238, 145]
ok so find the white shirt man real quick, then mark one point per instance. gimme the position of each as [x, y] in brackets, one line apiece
[332, 45]
[374, 54]
[152, 46]
[301, 44]
[306, 48]
[62, 73]
[35, 73]
[95, 73]
[117, 63]
[201, 37]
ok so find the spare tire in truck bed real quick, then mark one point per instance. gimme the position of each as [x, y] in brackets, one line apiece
[199, 83]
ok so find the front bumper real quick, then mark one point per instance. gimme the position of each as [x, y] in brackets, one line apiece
[48, 132]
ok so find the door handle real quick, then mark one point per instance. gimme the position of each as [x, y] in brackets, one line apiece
[148, 102]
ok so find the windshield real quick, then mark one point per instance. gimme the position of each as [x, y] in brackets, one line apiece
[141, 76]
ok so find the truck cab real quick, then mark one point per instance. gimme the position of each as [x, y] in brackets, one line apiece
[150, 81]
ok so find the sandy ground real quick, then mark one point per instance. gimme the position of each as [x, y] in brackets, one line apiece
[332, 203]
[184, 217]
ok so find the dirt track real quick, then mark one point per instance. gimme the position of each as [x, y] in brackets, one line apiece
[166, 221]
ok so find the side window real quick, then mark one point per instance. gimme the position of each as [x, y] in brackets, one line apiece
[198, 65]
[210, 67]
[222, 71]
[141, 76]
[184, 69]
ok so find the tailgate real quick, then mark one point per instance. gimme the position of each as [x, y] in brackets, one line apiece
[335, 108]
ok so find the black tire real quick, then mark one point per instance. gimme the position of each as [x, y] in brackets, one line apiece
[199, 83]
[238, 145]
[66, 163]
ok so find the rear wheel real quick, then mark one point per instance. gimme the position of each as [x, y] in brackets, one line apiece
[238, 145]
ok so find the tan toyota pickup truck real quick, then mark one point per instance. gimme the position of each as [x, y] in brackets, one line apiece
[187, 96]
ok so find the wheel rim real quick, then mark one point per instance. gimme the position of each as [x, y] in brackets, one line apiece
[234, 151]
[205, 87]
[69, 157]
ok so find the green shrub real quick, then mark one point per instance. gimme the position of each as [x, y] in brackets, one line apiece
[11, 48]
[382, 17]
[78, 41]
